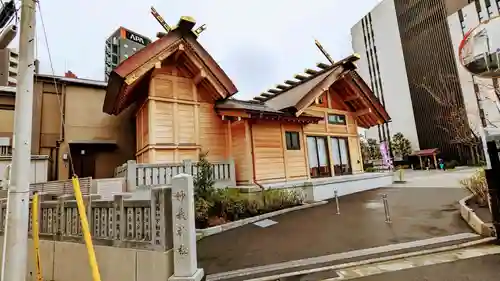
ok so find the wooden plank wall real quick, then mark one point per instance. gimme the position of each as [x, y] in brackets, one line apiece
[268, 151]
[142, 132]
[213, 131]
[273, 162]
[182, 121]
[350, 131]
[296, 163]
[242, 153]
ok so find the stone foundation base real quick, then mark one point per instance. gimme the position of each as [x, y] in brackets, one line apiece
[197, 276]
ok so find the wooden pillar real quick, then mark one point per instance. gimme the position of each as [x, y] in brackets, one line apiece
[229, 141]
[283, 150]
[435, 161]
[306, 152]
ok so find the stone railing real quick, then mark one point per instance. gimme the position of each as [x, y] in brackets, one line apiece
[58, 188]
[164, 223]
[123, 221]
[145, 175]
[63, 187]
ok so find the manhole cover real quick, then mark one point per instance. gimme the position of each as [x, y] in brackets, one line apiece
[374, 205]
[265, 223]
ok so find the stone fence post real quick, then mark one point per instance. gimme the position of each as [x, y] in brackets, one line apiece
[161, 218]
[184, 230]
[188, 166]
[232, 171]
[119, 219]
[131, 175]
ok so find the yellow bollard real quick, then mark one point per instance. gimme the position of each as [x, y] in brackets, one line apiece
[96, 276]
[36, 236]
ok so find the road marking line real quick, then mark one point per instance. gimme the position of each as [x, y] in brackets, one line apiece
[414, 262]
[340, 256]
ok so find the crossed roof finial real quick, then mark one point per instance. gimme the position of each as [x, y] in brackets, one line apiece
[189, 22]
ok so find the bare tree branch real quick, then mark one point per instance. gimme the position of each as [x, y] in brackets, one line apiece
[453, 118]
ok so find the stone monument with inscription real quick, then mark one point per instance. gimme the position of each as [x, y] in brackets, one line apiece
[184, 230]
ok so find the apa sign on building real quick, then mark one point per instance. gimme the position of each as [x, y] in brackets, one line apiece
[137, 38]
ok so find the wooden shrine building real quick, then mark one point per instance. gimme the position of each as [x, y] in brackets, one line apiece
[306, 127]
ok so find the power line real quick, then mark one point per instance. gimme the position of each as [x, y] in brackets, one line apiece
[61, 112]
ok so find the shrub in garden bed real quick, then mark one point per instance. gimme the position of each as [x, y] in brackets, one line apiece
[218, 206]
[451, 164]
[477, 185]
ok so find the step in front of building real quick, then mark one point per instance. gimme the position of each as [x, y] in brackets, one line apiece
[320, 268]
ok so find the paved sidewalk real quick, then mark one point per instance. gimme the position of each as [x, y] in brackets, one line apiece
[436, 178]
[417, 213]
[484, 268]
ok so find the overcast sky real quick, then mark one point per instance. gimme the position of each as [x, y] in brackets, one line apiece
[258, 43]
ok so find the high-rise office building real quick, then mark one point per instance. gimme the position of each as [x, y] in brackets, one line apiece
[9, 63]
[409, 58]
[121, 45]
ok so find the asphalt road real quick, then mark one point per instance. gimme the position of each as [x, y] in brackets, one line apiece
[416, 213]
[485, 268]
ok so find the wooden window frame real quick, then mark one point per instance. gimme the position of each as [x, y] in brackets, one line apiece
[337, 123]
[289, 141]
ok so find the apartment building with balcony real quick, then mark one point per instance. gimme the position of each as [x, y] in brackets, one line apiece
[9, 63]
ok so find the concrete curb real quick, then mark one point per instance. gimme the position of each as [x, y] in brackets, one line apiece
[470, 217]
[225, 227]
[374, 260]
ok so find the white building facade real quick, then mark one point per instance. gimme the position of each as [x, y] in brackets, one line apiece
[377, 40]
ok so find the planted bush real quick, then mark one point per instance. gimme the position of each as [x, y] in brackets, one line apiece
[451, 164]
[203, 180]
[477, 185]
[370, 170]
[218, 206]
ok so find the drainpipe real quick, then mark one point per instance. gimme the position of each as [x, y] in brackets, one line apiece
[262, 188]
[58, 146]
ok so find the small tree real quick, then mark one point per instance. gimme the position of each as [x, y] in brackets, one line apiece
[373, 149]
[401, 146]
[203, 180]
[453, 117]
[365, 151]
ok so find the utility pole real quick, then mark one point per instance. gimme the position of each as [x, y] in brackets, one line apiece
[16, 253]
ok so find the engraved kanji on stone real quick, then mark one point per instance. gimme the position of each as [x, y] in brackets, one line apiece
[179, 229]
[181, 215]
[180, 195]
[182, 250]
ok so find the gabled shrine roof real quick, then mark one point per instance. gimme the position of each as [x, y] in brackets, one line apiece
[127, 77]
[297, 94]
